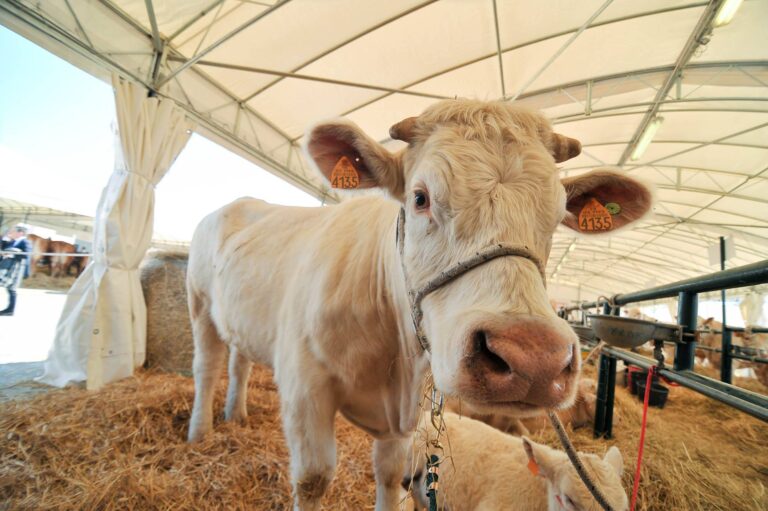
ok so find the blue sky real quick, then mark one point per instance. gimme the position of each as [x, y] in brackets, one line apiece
[56, 147]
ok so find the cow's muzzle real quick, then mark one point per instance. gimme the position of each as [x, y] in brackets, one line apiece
[524, 364]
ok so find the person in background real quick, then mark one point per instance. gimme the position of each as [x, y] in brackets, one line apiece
[14, 265]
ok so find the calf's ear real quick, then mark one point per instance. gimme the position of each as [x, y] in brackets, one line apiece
[615, 460]
[540, 459]
[604, 200]
[349, 159]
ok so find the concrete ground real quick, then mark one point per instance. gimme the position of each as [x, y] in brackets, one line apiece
[25, 339]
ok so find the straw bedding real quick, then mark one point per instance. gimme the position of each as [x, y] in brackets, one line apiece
[123, 448]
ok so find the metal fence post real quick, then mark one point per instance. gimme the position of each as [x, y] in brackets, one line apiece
[606, 389]
[726, 362]
[687, 316]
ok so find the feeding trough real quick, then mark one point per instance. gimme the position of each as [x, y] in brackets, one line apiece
[631, 333]
[585, 333]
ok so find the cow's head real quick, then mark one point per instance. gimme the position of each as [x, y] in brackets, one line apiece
[476, 174]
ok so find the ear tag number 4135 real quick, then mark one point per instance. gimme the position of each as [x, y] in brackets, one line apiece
[595, 217]
[344, 174]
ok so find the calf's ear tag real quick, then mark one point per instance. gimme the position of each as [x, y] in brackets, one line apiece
[533, 466]
[594, 217]
[344, 174]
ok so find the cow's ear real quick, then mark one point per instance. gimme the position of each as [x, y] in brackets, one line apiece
[349, 159]
[562, 148]
[604, 200]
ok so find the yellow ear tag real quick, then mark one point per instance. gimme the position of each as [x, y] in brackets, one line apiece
[595, 217]
[533, 466]
[344, 174]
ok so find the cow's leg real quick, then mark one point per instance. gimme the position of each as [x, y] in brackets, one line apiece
[210, 353]
[237, 392]
[388, 466]
[308, 410]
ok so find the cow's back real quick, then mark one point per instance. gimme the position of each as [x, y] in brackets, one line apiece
[267, 271]
[211, 235]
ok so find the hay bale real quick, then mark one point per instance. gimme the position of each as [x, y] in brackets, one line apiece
[169, 332]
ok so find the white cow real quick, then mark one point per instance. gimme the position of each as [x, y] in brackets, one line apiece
[485, 469]
[320, 294]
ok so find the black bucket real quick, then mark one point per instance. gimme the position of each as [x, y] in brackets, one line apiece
[659, 393]
[635, 378]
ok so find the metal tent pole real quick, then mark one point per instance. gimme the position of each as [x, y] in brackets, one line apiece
[726, 362]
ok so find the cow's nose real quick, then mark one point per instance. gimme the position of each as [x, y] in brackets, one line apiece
[525, 361]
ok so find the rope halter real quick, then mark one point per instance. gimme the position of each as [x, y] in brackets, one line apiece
[453, 272]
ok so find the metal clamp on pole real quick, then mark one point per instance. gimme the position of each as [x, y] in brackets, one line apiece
[687, 316]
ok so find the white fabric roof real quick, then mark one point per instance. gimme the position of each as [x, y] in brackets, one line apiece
[255, 74]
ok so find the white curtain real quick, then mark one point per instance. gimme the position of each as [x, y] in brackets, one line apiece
[101, 335]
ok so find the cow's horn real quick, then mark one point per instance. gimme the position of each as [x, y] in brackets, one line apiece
[403, 130]
[564, 148]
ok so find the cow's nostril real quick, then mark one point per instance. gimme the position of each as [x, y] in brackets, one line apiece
[570, 360]
[484, 354]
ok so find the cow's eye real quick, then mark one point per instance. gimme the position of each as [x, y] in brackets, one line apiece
[421, 199]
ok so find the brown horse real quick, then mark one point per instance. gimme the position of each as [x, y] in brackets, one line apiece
[40, 246]
[61, 262]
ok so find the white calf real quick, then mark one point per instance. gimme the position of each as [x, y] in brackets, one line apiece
[485, 469]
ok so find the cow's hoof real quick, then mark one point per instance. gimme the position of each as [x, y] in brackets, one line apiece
[239, 417]
[197, 433]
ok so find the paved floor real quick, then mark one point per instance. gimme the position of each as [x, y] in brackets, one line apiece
[25, 339]
[28, 334]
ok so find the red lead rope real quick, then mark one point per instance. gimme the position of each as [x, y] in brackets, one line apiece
[648, 384]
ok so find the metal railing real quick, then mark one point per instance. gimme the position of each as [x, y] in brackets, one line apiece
[73, 254]
[682, 372]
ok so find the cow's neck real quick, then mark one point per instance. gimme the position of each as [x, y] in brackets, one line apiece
[406, 382]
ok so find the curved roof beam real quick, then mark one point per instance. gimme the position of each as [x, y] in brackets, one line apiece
[578, 83]
[733, 144]
[637, 112]
[699, 210]
[648, 259]
[340, 45]
[539, 40]
[494, 54]
[298, 76]
[559, 51]
[232, 33]
[678, 203]
[696, 39]
[193, 19]
[595, 113]
[662, 166]
[705, 144]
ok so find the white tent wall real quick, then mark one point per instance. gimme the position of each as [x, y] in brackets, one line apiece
[101, 335]
[255, 75]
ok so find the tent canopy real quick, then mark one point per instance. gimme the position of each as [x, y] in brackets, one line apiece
[255, 74]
